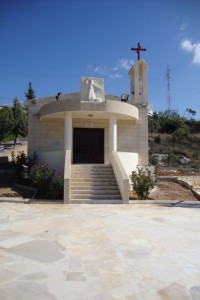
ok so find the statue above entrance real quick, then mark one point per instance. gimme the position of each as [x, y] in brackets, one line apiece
[92, 89]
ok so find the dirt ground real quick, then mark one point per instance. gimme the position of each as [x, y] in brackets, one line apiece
[173, 191]
[170, 191]
[7, 189]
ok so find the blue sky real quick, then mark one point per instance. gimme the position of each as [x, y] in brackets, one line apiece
[52, 43]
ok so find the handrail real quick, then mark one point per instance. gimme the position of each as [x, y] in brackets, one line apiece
[121, 176]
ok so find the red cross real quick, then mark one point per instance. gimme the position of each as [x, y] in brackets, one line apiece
[138, 49]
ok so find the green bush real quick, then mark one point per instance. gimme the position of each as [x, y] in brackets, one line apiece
[41, 176]
[56, 188]
[42, 179]
[153, 160]
[23, 165]
[172, 159]
[181, 134]
[157, 139]
[142, 182]
[35, 175]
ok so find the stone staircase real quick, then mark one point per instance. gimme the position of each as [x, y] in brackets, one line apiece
[94, 184]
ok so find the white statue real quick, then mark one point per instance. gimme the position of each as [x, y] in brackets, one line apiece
[92, 89]
[91, 93]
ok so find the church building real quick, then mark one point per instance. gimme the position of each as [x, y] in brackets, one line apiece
[94, 140]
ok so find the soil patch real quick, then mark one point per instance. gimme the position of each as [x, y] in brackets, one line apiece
[167, 190]
[173, 191]
[7, 189]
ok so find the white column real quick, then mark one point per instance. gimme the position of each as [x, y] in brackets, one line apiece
[113, 133]
[68, 131]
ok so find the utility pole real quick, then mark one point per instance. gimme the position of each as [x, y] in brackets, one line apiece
[168, 77]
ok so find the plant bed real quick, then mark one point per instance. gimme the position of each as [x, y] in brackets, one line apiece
[12, 191]
[168, 190]
[40, 178]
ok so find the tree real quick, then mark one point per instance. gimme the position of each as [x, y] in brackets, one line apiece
[154, 122]
[6, 121]
[170, 120]
[20, 124]
[191, 112]
[30, 92]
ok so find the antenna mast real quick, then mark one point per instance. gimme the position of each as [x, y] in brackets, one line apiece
[168, 77]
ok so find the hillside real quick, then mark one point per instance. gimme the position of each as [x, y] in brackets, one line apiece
[174, 141]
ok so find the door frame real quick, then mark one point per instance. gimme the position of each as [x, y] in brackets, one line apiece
[99, 144]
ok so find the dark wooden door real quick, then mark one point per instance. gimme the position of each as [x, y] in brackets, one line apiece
[88, 145]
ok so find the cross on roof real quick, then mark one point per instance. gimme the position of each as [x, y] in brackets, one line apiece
[138, 49]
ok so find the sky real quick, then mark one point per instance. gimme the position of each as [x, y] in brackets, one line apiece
[53, 43]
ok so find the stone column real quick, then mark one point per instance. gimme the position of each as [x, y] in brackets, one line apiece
[68, 131]
[113, 133]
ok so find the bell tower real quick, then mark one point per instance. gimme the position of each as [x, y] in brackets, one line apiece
[138, 79]
[138, 83]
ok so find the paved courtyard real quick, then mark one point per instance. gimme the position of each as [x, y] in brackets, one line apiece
[99, 252]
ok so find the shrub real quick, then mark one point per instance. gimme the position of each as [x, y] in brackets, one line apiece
[181, 134]
[153, 160]
[172, 159]
[142, 182]
[38, 176]
[41, 177]
[157, 139]
[23, 165]
[57, 188]
[43, 180]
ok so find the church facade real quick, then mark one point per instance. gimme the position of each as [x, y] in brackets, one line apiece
[91, 128]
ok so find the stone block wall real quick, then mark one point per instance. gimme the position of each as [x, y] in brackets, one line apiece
[133, 136]
[47, 135]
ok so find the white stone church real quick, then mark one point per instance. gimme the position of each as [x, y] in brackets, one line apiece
[94, 140]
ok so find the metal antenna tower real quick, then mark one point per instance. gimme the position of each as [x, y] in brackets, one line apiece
[168, 77]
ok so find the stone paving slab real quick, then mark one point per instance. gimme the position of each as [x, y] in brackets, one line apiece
[161, 202]
[99, 252]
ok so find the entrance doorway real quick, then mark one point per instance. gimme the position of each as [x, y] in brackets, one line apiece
[88, 145]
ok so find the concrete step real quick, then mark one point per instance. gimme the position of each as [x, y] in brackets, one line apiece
[94, 192]
[94, 197]
[92, 175]
[94, 180]
[90, 166]
[92, 201]
[87, 167]
[94, 184]
[95, 187]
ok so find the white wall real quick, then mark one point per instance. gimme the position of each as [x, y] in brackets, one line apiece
[55, 160]
[120, 175]
[129, 161]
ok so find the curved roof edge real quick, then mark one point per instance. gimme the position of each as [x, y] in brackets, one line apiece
[57, 109]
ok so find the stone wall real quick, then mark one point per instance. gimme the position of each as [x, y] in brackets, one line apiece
[193, 181]
[133, 136]
[47, 135]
